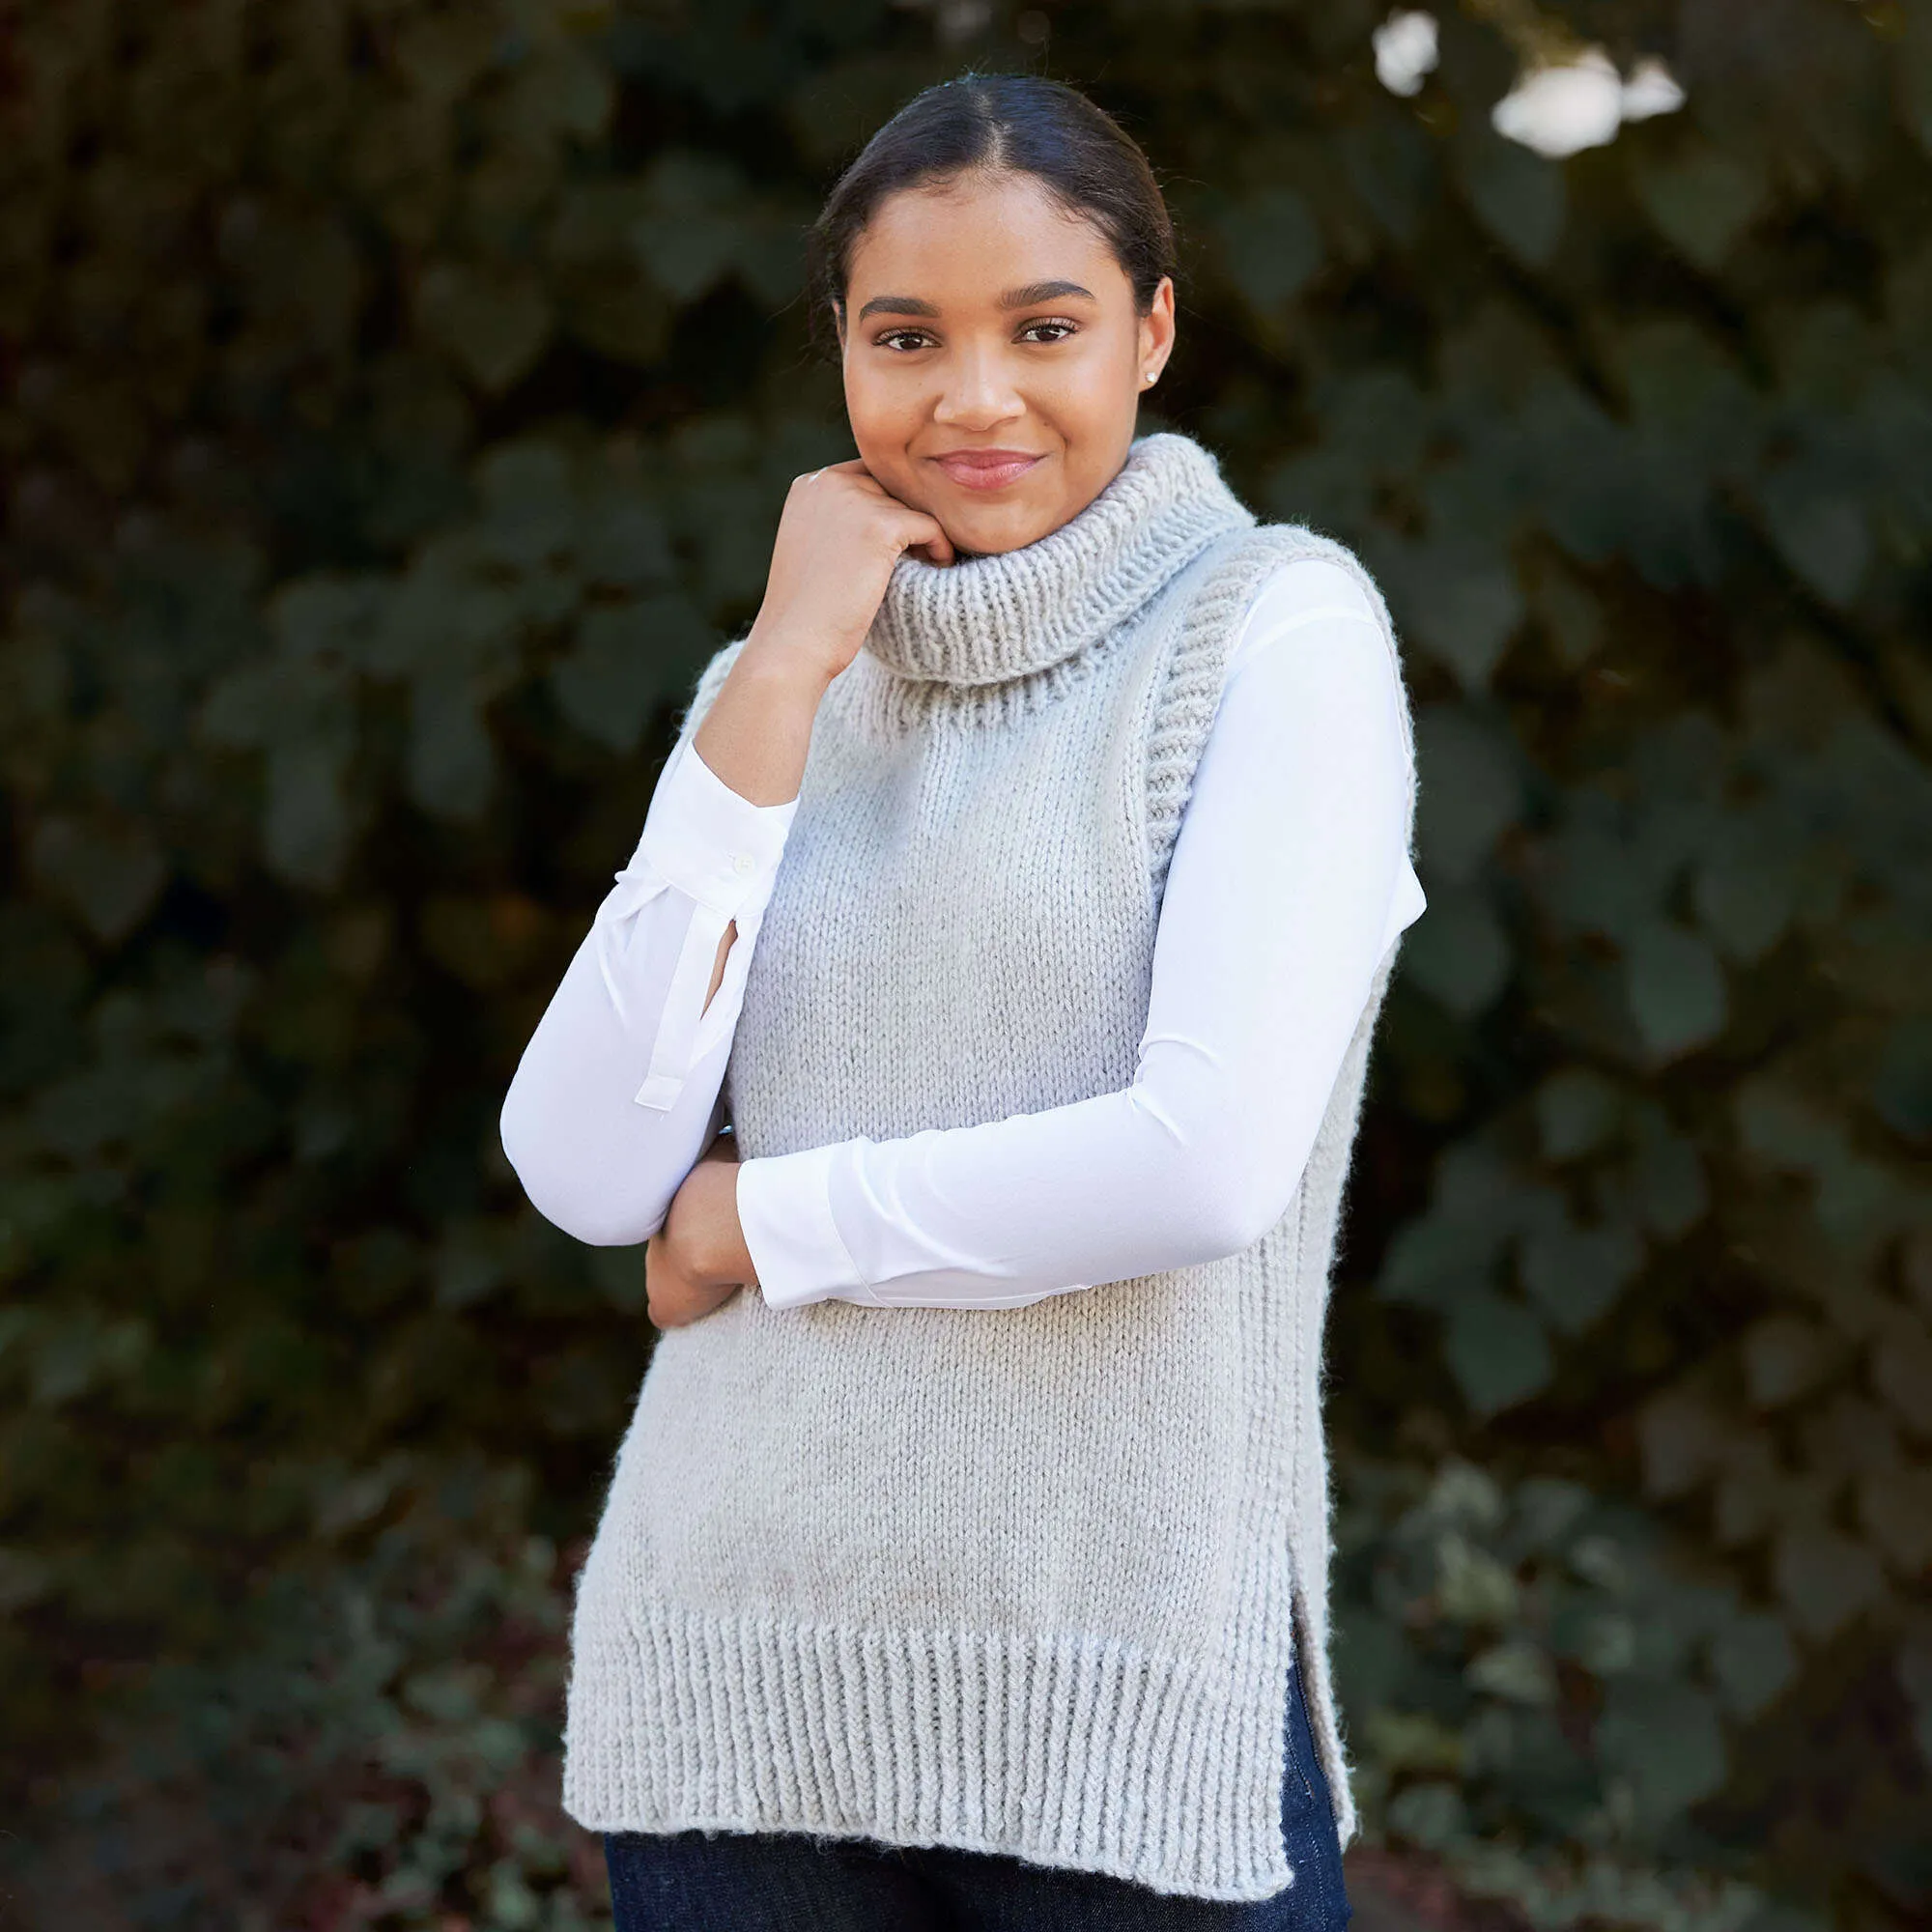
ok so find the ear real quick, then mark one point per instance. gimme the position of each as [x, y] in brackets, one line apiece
[1157, 328]
[838, 322]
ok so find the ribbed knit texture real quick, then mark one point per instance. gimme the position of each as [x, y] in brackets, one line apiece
[1024, 1580]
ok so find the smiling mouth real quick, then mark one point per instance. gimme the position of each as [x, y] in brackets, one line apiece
[988, 469]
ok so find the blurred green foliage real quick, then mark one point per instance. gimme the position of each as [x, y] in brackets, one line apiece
[400, 397]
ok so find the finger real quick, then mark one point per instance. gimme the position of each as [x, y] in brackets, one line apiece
[931, 541]
[809, 481]
[853, 466]
[864, 480]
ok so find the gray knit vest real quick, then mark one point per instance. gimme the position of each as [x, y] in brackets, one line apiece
[1026, 1580]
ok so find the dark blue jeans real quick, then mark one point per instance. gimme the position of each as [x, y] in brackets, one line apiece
[785, 1882]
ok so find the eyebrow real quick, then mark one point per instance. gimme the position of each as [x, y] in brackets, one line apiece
[1022, 297]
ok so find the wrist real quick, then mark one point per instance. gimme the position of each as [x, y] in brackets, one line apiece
[722, 1259]
[787, 660]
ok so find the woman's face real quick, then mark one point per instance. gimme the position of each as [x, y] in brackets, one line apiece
[982, 321]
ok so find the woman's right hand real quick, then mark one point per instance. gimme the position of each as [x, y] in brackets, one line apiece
[839, 537]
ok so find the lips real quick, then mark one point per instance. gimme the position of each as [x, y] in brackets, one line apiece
[987, 468]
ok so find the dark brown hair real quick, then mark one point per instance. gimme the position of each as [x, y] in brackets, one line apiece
[1013, 123]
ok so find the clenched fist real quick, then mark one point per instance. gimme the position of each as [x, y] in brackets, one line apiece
[839, 537]
[697, 1261]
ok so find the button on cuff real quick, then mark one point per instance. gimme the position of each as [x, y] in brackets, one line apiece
[708, 840]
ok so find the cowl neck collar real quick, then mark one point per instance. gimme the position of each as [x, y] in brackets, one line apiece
[985, 619]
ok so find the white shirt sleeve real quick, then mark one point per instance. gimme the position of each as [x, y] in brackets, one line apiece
[1289, 879]
[616, 1095]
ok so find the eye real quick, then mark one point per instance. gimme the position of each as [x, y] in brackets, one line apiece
[918, 338]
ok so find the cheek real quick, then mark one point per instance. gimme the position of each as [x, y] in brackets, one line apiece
[874, 424]
[881, 443]
[1096, 384]
[883, 411]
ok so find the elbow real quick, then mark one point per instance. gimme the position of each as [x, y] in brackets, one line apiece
[595, 1225]
[1222, 1153]
[1222, 1222]
[556, 1187]
[1229, 1196]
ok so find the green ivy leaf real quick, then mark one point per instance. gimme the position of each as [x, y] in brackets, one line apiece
[1701, 199]
[1745, 887]
[110, 871]
[1460, 954]
[452, 765]
[1669, 1194]
[1497, 1350]
[1783, 1357]
[1465, 606]
[1819, 526]
[1666, 1738]
[1683, 1440]
[1823, 1577]
[1895, 1509]
[494, 321]
[1575, 1274]
[1272, 247]
[1576, 1110]
[1517, 1672]
[1568, 611]
[692, 233]
[1391, 165]
[307, 829]
[1754, 1659]
[1458, 1243]
[1675, 987]
[1430, 1814]
[1518, 196]
[628, 659]
[1468, 770]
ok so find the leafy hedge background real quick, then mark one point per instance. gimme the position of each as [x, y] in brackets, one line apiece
[399, 402]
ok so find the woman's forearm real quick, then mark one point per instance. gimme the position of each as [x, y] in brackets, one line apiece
[758, 730]
[613, 1097]
[756, 737]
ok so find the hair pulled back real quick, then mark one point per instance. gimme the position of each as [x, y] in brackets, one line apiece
[997, 123]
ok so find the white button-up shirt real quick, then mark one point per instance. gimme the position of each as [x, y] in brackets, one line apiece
[1289, 881]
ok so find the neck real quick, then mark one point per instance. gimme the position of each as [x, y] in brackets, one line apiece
[983, 619]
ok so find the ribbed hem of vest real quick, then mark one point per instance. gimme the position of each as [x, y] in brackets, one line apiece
[1078, 1753]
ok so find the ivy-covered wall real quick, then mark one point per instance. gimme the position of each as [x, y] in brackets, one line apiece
[399, 398]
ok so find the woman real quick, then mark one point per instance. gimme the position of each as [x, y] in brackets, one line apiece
[1023, 888]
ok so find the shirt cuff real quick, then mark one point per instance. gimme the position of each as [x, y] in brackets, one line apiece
[709, 841]
[785, 1212]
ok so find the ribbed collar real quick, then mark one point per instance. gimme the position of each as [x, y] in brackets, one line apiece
[985, 619]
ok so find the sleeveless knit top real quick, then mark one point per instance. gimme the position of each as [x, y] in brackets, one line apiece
[1026, 1580]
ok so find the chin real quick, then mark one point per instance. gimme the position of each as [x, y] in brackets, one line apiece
[985, 535]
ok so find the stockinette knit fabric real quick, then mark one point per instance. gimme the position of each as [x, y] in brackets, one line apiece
[1027, 1581]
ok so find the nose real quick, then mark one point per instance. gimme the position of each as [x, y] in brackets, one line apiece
[977, 391]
